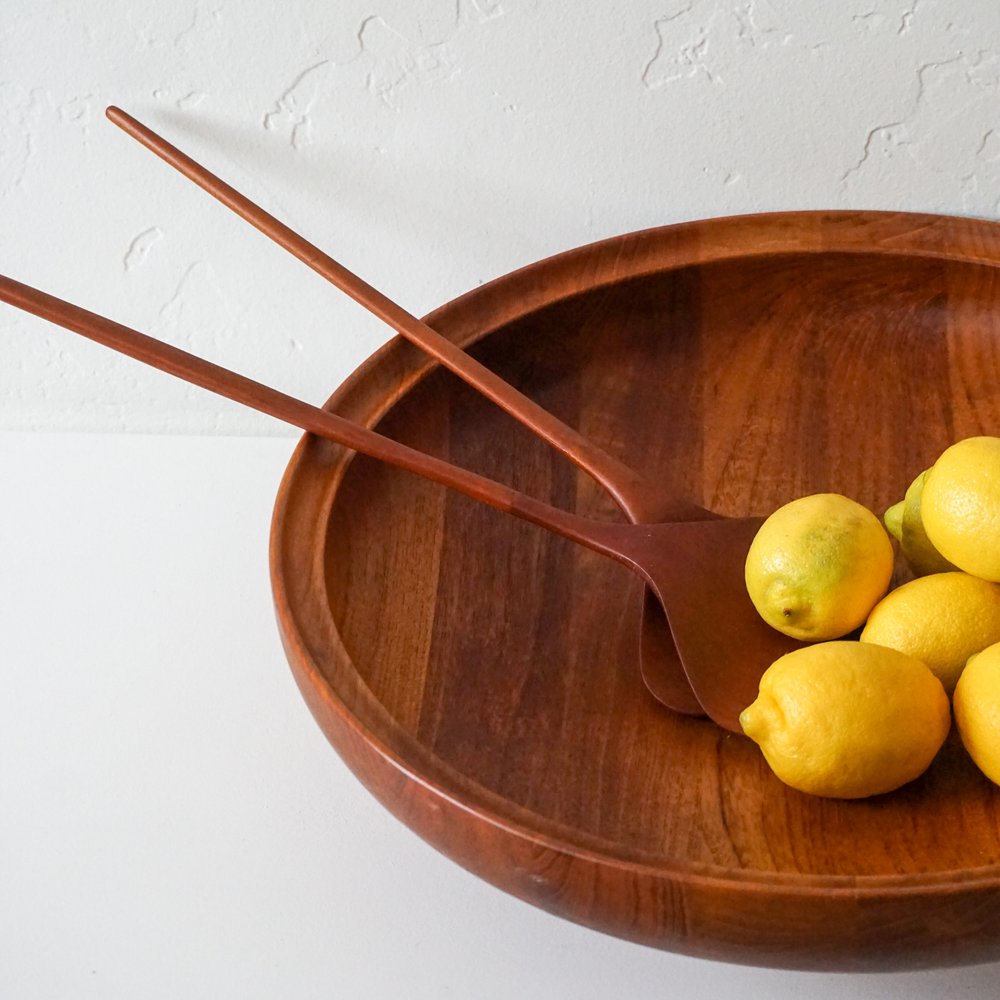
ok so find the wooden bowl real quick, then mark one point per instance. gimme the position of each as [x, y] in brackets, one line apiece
[480, 676]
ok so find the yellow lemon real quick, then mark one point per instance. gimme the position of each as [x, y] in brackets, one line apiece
[848, 719]
[818, 565]
[893, 520]
[977, 710]
[940, 619]
[904, 520]
[961, 506]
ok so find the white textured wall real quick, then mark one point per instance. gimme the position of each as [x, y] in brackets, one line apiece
[431, 145]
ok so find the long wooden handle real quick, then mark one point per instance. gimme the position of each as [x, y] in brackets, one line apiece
[623, 483]
[594, 534]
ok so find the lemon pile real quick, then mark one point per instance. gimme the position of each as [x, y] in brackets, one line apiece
[867, 714]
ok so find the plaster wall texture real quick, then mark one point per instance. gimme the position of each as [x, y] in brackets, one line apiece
[431, 145]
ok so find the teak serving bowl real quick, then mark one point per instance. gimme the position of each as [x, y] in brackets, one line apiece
[480, 676]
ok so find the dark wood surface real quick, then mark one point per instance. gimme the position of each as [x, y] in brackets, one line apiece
[479, 674]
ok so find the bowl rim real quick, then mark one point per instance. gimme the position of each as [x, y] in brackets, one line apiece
[543, 283]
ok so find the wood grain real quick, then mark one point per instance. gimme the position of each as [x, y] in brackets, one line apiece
[479, 675]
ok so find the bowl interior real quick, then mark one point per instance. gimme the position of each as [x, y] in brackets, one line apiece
[510, 655]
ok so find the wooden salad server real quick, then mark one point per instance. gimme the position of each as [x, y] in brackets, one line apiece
[693, 567]
[642, 501]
